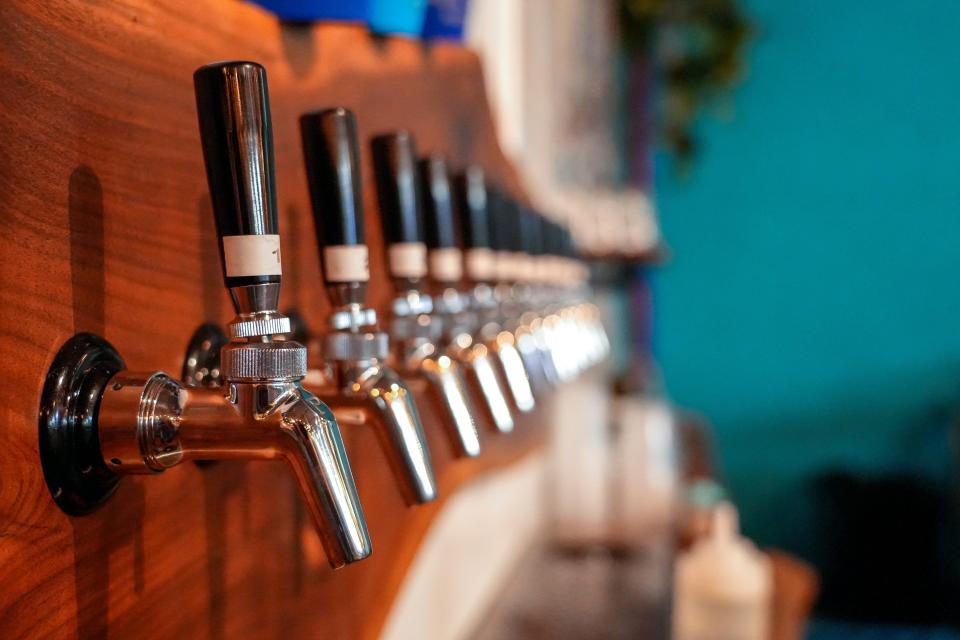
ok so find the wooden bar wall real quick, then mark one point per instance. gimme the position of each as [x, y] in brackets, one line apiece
[106, 227]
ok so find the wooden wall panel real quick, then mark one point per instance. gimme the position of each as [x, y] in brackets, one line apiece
[105, 226]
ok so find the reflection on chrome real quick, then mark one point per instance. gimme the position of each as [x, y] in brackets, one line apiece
[370, 394]
[487, 380]
[443, 374]
[514, 371]
[150, 422]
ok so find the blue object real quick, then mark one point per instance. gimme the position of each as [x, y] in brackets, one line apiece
[315, 10]
[445, 20]
[397, 17]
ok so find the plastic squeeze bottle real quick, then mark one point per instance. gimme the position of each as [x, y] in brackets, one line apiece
[722, 586]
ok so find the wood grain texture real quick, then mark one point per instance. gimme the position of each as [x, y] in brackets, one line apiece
[106, 227]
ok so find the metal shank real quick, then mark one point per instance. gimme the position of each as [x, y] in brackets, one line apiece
[149, 423]
[366, 393]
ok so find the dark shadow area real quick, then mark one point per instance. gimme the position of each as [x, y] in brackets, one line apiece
[297, 559]
[220, 483]
[294, 261]
[211, 276]
[426, 50]
[87, 270]
[95, 538]
[379, 42]
[463, 137]
[299, 47]
[120, 523]
[870, 424]
[890, 546]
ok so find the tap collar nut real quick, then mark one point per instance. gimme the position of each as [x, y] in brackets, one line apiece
[263, 361]
[259, 325]
[347, 346]
[353, 317]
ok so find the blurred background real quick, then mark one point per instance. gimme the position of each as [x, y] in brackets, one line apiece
[767, 191]
[807, 312]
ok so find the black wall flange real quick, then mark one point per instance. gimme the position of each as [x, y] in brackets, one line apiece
[73, 468]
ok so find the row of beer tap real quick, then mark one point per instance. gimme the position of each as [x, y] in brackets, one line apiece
[491, 310]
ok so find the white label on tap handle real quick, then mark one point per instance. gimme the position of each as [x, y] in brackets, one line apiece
[408, 259]
[528, 268]
[503, 265]
[446, 265]
[346, 263]
[480, 264]
[251, 255]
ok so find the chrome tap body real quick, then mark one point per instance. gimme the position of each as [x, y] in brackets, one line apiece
[149, 423]
[363, 391]
[354, 379]
[484, 237]
[462, 342]
[415, 328]
[452, 311]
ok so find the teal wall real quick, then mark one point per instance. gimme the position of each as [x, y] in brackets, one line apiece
[811, 310]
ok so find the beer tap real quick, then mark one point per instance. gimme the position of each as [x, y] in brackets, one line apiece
[571, 318]
[526, 325]
[584, 315]
[415, 327]
[99, 422]
[445, 260]
[532, 299]
[549, 329]
[354, 379]
[477, 208]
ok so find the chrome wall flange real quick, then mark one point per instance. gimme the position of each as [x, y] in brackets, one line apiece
[75, 473]
[201, 364]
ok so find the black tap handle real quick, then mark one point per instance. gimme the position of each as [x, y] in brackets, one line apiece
[470, 189]
[496, 207]
[332, 158]
[514, 225]
[398, 188]
[333, 170]
[531, 232]
[549, 231]
[438, 205]
[504, 222]
[570, 247]
[233, 108]
[564, 242]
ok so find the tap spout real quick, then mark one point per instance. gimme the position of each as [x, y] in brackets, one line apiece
[315, 452]
[371, 394]
[442, 373]
[477, 361]
[504, 346]
[150, 422]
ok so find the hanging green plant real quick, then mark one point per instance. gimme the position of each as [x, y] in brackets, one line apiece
[697, 52]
